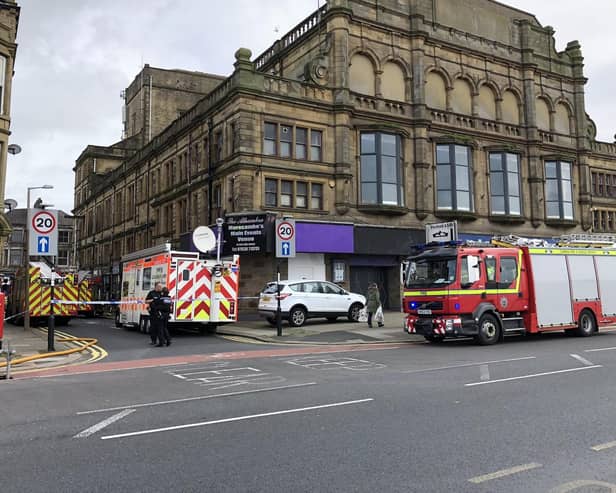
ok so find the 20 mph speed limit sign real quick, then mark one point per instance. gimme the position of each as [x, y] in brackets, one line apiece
[285, 238]
[42, 232]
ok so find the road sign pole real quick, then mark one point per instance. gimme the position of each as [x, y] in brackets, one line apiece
[278, 312]
[51, 325]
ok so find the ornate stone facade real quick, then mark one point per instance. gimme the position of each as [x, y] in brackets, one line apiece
[381, 116]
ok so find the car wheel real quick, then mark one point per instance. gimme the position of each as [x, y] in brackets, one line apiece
[354, 312]
[297, 316]
[331, 320]
[271, 321]
[586, 324]
[489, 330]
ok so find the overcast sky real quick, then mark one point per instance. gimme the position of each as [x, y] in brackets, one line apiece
[76, 56]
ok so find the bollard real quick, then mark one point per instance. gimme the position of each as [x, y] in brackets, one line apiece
[8, 352]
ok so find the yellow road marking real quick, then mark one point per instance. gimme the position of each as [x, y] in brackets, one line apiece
[504, 472]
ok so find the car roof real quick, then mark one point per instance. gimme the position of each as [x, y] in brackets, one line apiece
[293, 281]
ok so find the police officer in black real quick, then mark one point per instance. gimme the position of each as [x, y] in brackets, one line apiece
[163, 304]
[155, 316]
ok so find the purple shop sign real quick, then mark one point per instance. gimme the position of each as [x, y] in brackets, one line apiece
[324, 238]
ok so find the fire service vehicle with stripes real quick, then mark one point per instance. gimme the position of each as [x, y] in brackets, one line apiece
[38, 280]
[204, 293]
[511, 286]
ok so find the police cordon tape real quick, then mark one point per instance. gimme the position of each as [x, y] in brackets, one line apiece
[141, 302]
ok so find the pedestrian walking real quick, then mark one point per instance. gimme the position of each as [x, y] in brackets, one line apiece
[155, 320]
[373, 303]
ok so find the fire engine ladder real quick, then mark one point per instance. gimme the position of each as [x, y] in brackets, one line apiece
[518, 241]
[587, 241]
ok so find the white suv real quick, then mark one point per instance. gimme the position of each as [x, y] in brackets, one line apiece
[300, 300]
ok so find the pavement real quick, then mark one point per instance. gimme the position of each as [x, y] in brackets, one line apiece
[318, 331]
[32, 343]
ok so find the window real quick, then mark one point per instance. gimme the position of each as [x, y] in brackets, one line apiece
[508, 272]
[601, 184]
[17, 236]
[454, 178]
[147, 277]
[62, 258]
[218, 150]
[298, 194]
[505, 184]
[286, 193]
[301, 140]
[381, 181]
[558, 190]
[16, 256]
[301, 194]
[286, 140]
[316, 142]
[64, 236]
[2, 81]
[269, 139]
[316, 196]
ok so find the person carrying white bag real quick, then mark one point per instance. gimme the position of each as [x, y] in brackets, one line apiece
[373, 305]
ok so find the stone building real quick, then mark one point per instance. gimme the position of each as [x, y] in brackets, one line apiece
[9, 20]
[365, 122]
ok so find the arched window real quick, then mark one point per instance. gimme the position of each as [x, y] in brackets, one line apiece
[361, 75]
[511, 108]
[461, 100]
[486, 103]
[561, 120]
[392, 82]
[543, 114]
[436, 91]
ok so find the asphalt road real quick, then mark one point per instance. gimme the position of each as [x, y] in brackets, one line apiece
[529, 415]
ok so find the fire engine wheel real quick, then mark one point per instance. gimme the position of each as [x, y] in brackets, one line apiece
[297, 316]
[586, 324]
[354, 312]
[489, 330]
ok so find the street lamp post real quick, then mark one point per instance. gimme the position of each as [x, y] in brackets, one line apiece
[26, 262]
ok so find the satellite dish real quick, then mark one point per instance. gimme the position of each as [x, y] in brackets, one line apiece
[10, 204]
[13, 149]
[204, 239]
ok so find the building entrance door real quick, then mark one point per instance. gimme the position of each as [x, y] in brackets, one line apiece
[361, 277]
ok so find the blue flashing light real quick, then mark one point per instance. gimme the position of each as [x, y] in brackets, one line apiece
[457, 306]
[413, 305]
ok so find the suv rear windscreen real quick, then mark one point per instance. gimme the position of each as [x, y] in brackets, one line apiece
[272, 288]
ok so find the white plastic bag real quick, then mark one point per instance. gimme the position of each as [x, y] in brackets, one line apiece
[379, 318]
[363, 315]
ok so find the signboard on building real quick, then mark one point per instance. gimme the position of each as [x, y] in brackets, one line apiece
[247, 233]
[442, 232]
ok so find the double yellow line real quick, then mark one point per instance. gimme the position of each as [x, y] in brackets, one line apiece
[97, 353]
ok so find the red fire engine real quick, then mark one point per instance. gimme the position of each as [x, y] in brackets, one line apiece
[511, 286]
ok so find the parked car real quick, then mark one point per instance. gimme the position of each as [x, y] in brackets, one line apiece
[301, 300]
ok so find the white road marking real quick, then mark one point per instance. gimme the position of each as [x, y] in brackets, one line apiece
[581, 360]
[197, 398]
[603, 446]
[470, 364]
[533, 375]
[576, 485]
[600, 349]
[504, 472]
[103, 424]
[484, 373]
[238, 418]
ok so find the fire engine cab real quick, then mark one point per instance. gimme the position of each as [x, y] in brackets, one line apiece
[510, 286]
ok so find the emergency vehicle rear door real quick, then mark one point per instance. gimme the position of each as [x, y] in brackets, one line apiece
[185, 285]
